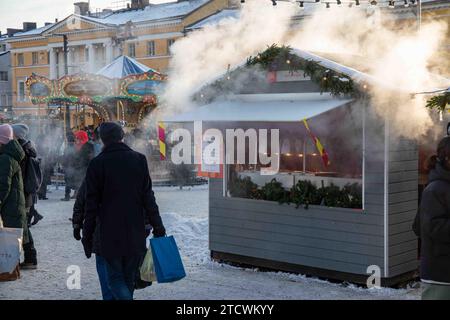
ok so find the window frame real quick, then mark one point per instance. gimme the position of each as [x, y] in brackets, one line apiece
[20, 60]
[132, 53]
[151, 48]
[35, 58]
[20, 97]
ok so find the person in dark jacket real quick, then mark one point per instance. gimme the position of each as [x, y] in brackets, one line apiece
[20, 133]
[85, 152]
[120, 195]
[434, 222]
[68, 160]
[12, 198]
[30, 254]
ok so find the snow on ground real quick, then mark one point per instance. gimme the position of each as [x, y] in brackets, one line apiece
[185, 214]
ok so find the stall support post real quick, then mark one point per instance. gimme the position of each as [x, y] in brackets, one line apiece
[304, 156]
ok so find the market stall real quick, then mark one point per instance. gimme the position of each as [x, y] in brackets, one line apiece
[344, 198]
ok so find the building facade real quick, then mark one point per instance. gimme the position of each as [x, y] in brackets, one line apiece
[142, 31]
[5, 83]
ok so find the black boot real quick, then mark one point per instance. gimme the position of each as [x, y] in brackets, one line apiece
[36, 216]
[30, 254]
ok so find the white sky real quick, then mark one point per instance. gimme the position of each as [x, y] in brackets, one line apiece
[13, 13]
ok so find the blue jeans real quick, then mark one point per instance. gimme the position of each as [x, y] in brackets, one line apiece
[122, 274]
[103, 277]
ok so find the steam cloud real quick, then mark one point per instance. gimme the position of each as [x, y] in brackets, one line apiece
[403, 58]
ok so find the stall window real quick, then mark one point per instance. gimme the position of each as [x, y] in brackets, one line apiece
[333, 179]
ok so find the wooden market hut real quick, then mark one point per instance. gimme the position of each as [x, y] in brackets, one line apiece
[328, 238]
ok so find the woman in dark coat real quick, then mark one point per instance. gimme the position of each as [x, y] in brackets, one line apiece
[12, 198]
[434, 222]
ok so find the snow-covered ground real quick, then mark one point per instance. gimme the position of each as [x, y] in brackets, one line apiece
[185, 214]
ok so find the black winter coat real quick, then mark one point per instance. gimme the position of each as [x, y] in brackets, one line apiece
[119, 193]
[79, 209]
[30, 152]
[81, 162]
[435, 227]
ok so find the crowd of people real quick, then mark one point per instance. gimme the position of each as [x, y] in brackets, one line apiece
[115, 208]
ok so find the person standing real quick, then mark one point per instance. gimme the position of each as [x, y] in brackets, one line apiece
[85, 152]
[68, 160]
[433, 226]
[20, 132]
[12, 198]
[119, 193]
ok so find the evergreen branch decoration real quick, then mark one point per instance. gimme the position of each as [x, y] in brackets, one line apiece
[281, 58]
[439, 102]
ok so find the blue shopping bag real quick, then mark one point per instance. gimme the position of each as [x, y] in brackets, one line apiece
[167, 260]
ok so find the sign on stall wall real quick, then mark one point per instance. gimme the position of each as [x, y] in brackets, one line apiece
[286, 76]
[211, 165]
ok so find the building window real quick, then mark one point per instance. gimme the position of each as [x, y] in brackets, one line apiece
[86, 55]
[132, 50]
[170, 42]
[21, 91]
[4, 100]
[20, 60]
[35, 58]
[3, 75]
[48, 57]
[2, 47]
[151, 48]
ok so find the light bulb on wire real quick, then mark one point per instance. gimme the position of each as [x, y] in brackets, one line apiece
[339, 2]
[328, 5]
[357, 2]
[302, 7]
[406, 4]
[274, 2]
[391, 4]
[373, 2]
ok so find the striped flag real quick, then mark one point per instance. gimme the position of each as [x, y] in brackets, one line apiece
[162, 140]
[323, 153]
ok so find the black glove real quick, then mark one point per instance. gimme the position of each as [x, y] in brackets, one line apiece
[159, 232]
[87, 245]
[77, 234]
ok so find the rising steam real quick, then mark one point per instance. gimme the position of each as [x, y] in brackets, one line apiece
[362, 37]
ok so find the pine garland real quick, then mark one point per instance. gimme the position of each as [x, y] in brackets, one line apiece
[281, 58]
[439, 102]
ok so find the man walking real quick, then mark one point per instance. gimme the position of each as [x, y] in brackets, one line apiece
[119, 193]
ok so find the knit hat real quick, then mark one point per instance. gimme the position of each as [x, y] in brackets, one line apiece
[20, 130]
[6, 133]
[111, 132]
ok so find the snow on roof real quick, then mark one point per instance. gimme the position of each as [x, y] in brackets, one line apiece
[263, 107]
[216, 18]
[151, 12]
[34, 32]
[123, 66]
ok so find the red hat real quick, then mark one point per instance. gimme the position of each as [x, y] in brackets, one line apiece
[81, 138]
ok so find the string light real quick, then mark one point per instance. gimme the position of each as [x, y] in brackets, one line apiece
[274, 2]
[328, 5]
[302, 7]
[373, 3]
[357, 2]
[391, 4]
[406, 4]
[339, 2]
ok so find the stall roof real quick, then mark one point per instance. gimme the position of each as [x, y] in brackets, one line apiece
[263, 108]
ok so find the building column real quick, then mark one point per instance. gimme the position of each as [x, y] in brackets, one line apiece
[92, 67]
[53, 65]
[109, 52]
[71, 60]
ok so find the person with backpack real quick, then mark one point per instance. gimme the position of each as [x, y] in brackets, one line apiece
[432, 225]
[31, 172]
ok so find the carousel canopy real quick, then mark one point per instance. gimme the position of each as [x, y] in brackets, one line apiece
[123, 66]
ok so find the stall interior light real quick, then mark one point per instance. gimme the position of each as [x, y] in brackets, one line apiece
[288, 154]
[300, 155]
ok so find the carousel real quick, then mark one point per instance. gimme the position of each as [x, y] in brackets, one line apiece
[124, 91]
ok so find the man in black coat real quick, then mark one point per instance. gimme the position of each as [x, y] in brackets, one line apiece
[119, 193]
